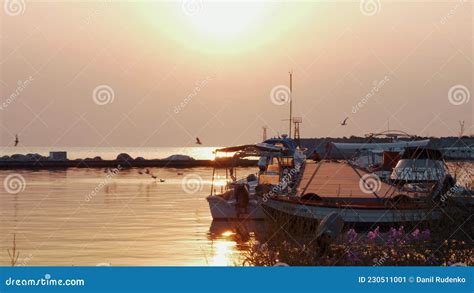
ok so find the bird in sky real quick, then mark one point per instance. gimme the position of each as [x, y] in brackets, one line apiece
[198, 141]
[16, 140]
[344, 122]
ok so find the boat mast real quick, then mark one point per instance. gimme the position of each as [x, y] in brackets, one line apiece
[291, 100]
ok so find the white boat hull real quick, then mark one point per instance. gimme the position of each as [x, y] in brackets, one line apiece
[352, 214]
[222, 209]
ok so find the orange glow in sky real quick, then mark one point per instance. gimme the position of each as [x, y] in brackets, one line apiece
[161, 73]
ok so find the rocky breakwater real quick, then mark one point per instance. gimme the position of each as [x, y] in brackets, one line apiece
[124, 160]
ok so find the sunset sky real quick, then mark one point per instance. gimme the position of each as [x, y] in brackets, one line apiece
[114, 73]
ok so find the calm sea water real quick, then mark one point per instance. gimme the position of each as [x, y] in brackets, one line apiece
[89, 217]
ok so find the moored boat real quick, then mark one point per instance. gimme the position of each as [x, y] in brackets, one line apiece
[360, 197]
[380, 157]
[237, 199]
[353, 213]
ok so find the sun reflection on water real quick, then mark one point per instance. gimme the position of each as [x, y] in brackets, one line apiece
[228, 233]
[224, 250]
[231, 240]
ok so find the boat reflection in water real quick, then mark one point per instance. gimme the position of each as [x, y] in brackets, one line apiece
[230, 240]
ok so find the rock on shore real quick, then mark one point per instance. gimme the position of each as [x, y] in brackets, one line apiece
[179, 158]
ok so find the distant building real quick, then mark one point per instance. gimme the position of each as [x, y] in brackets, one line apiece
[58, 156]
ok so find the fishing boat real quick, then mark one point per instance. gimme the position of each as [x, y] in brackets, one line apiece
[236, 199]
[420, 165]
[380, 157]
[361, 198]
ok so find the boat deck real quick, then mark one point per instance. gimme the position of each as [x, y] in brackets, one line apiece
[339, 180]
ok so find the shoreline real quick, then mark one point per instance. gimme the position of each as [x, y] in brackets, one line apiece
[90, 163]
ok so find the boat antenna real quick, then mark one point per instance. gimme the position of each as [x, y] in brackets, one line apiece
[291, 100]
[461, 128]
[392, 139]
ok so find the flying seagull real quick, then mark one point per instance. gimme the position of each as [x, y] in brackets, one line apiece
[344, 122]
[198, 141]
[16, 140]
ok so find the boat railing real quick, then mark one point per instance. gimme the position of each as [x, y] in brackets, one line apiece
[299, 176]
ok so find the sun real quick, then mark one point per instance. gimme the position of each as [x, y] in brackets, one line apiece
[225, 20]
